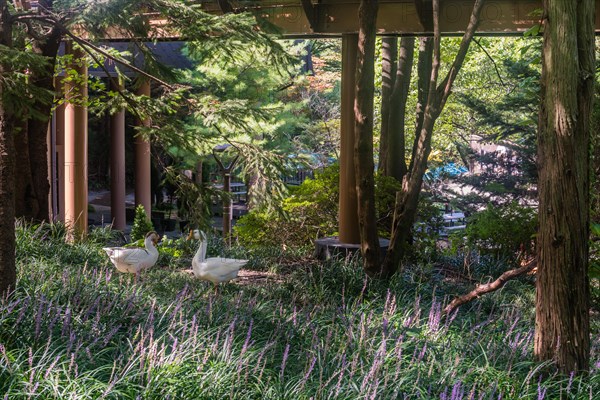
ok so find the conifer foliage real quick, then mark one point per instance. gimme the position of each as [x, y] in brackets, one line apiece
[29, 43]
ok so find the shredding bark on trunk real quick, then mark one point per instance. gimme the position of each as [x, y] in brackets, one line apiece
[562, 326]
[7, 165]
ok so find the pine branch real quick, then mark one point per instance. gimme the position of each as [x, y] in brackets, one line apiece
[115, 84]
[85, 43]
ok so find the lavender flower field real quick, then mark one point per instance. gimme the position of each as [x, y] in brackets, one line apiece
[78, 329]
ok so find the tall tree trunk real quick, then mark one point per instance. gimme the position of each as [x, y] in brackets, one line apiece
[405, 209]
[389, 52]
[7, 169]
[363, 131]
[595, 206]
[424, 66]
[38, 127]
[26, 205]
[424, 10]
[396, 161]
[562, 299]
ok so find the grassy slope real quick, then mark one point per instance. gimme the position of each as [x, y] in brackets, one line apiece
[78, 329]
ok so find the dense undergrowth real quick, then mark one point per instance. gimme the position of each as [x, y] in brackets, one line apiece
[78, 329]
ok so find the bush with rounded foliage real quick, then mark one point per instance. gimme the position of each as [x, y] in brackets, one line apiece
[311, 212]
[503, 230]
[141, 224]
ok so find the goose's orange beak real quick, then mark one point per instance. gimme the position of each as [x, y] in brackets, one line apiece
[191, 235]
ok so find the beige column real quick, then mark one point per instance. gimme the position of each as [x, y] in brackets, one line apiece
[117, 165]
[142, 161]
[75, 146]
[348, 213]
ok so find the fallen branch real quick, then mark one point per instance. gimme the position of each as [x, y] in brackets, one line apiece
[489, 287]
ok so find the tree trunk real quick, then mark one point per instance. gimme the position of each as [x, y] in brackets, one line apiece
[363, 131]
[389, 52]
[407, 200]
[38, 127]
[7, 199]
[26, 205]
[405, 209]
[562, 299]
[7, 170]
[595, 206]
[198, 176]
[396, 163]
[424, 66]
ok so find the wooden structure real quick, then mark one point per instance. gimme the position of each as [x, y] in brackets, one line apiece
[295, 18]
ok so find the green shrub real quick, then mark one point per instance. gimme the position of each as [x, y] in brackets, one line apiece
[502, 230]
[595, 252]
[425, 233]
[386, 188]
[311, 211]
[141, 224]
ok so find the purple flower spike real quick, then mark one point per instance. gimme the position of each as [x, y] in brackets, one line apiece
[286, 353]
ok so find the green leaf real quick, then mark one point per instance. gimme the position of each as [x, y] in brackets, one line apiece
[594, 270]
[533, 31]
[595, 228]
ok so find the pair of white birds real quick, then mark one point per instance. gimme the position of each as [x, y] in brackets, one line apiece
[214, 269]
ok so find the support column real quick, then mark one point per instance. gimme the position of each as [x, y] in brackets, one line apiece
[117, 166]
[75, 146]
[142, 160]
[348, 214]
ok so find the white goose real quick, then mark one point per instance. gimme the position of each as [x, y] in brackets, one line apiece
[135, 260]
[214, 269]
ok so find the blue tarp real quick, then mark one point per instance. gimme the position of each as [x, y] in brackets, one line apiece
[446, 171]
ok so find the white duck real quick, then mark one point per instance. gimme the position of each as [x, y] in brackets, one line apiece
[135, 260]
[214, 269]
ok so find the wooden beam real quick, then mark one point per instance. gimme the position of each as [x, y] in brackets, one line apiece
[424, 9]
[310, 11]
[225, 6]
[301, 18]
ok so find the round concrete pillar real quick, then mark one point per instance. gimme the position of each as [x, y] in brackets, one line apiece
[142, 160]
[117, 165]
[75, 146]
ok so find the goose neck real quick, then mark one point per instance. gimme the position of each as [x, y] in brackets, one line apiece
[149, 244]
[200, 255]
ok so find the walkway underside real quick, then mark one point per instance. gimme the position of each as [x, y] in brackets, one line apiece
[318, 18]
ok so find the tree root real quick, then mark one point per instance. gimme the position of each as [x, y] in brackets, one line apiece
[490, 287]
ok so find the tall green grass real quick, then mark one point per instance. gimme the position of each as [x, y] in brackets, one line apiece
[77, 329]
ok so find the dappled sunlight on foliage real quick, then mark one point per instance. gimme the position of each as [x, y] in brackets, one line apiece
[503, 231]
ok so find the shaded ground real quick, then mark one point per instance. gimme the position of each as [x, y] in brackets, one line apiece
[99, 213]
